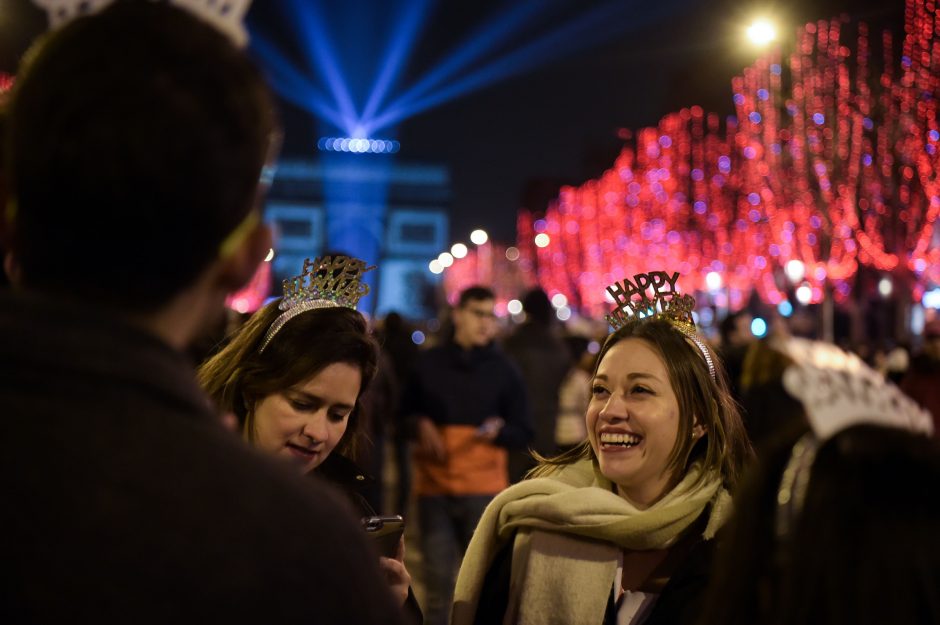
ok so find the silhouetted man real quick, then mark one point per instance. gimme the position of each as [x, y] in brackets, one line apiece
[137, 139]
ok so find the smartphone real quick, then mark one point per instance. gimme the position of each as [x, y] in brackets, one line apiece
[386, 532]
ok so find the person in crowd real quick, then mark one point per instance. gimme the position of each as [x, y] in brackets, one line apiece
[293, 377]
[139, 141]
[768, 408]
[922, 380]
[736, 336]
[620, 529]
[538, 351]
[574, 395]
[837, 524]
[401, 350]
[469, 404]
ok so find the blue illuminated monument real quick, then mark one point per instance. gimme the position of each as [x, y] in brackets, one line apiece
[342, 62]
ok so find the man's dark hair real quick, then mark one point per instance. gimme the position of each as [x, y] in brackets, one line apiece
[136, 141]
[729, 325]
[474, 293]
[537, 306]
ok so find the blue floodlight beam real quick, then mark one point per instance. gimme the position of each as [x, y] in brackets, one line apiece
[598, 24]
[291, 84]
[401, 43]
[484, 39]
[320, 49]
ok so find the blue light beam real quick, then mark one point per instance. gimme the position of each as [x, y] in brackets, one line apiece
[291, 84]
[591, 29]
[484, 40]
[402, 42]
[320, 48]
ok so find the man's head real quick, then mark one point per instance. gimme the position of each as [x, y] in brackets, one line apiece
[537, 306]
[474, 319]
[136, 141]
[736, 329]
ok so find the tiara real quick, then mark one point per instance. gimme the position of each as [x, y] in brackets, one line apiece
[651, 296]
[225, 15]
[327, 282]
[837, 390]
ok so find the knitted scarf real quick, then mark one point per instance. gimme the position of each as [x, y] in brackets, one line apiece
[570, 527]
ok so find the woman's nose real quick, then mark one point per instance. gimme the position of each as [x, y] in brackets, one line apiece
[615, 409]
[315, 427]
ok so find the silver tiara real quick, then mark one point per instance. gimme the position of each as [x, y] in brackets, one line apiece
[326, 282]
[225, 15]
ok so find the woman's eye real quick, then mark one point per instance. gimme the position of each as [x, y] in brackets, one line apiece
[301, 406]
[598, 390]
[337, 418]
[641, 389]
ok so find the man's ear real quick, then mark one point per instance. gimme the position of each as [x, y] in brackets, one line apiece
[239, 265]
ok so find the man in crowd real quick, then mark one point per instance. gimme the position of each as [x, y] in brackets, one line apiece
[469, 405]
[137, 137]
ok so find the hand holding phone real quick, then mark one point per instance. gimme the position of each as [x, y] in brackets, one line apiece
[386, 531]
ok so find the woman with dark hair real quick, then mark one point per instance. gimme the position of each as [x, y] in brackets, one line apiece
[837, 524]
[293, 377]
[620, 528]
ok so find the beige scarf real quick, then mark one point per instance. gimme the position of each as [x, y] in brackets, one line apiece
[570, 528]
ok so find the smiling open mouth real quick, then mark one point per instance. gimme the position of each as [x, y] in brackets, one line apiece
[609, 439]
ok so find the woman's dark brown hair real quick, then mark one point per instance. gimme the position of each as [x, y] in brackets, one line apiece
[239, 376]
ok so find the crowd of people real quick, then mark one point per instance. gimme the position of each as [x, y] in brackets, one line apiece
[660, 481]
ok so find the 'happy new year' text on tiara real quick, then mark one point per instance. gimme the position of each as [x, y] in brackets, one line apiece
[327, 282]
[653, 295]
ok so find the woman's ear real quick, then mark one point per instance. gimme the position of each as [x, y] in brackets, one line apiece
[698, 430]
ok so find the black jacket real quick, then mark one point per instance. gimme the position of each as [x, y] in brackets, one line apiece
[454, 386]
[125, 501]
[346, 475]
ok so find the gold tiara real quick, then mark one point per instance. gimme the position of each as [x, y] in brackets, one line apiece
[327, 282]
[654, 295]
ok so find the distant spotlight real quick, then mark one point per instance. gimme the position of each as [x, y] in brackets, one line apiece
[435, 266]
[514, 307]
[459, 250]
[761, 32]
[758, 327]
[358, 145]
[512, 254]
[593, 347]
[785, 308]
[885, 287]
[270, 256]
[542, 240]
[713, 280]
[795, 270]
[932, 298]
[563, 313]
[559, 300]
[804, 294]
[417, 337]
[445, 259]
[479, 237]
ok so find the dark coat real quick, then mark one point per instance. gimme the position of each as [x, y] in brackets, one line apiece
[346, 475]
[125, 501]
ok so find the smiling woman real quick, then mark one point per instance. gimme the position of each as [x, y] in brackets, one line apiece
[621, 528]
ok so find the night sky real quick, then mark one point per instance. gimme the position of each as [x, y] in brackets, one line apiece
[559, 121]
